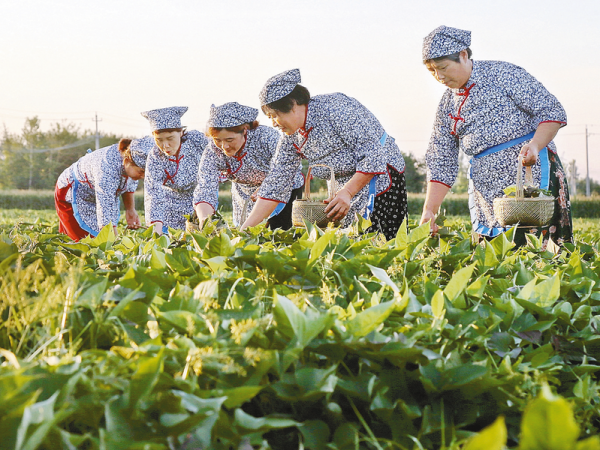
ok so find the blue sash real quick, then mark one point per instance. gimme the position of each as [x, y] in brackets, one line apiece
[500, 147]
[544, 181]
[372, 185]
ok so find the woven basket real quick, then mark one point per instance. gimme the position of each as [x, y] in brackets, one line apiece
[521, 210]
[311, 210]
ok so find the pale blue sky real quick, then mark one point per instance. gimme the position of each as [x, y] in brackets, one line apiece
[67, 59]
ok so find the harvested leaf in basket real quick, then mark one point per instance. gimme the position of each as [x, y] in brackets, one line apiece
[528, 191]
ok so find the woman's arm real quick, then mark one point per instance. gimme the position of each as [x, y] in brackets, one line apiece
[546, 131]
[262, 209]
[339, 205]
[131, 215]
[436, 192]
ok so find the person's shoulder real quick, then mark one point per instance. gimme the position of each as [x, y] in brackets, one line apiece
[494, 69]
[197, 137]
[265, 132]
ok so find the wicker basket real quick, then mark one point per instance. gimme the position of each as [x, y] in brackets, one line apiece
[524, 211]
[311, 210]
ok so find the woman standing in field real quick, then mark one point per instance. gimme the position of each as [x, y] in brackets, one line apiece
[240, 151]
[171, 170]
[87, 193]
[493, 111]
[340, 132]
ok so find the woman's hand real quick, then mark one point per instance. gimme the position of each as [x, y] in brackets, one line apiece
[339, 205]
[133, 220]
[429, 216]
[529, 152]
[158, 227]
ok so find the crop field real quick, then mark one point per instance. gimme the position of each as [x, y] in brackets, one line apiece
[306, 339]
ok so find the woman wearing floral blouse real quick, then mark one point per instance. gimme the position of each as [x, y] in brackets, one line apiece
[87, 194]
[337, 131]
[171, 170]
[493, 111]
[240, 151]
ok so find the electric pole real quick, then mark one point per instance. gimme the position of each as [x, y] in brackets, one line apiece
[587, 165]
[97, 134]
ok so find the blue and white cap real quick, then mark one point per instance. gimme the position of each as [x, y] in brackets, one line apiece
[444, 41]
[163, 118]
[279, 86]
[139, 149]
[231, 114]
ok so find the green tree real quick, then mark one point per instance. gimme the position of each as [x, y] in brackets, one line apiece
[415, 173]
[24, 164]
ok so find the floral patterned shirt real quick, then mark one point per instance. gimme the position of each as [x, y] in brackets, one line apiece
[501, 102]
[100, 180]
[340, 133]
[171, 180]
[246, 170]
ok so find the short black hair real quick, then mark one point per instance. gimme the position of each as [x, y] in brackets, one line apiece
[299, 96]
[453, 57]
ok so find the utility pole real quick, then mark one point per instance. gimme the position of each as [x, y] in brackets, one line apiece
[573, 178]
[587, 165]
[97, 134]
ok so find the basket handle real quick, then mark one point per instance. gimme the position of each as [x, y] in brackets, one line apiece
[519, 193]
[528, 177]
[331, 188]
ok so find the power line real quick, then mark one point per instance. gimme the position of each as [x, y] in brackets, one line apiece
[46, 150]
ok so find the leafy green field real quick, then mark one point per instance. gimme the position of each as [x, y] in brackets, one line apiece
[303, 339]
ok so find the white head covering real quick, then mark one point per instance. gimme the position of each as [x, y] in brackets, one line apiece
[279, 86]
[444, 41]
[230, 115]
[163, 118]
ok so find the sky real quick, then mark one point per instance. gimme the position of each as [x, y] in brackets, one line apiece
[68, 60]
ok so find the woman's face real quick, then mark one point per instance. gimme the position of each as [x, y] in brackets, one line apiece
[134, 172]
[168, 141]
[450, 73]
[229, 141]
[288, 122]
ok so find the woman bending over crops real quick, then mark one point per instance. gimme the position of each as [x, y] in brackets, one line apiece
[171, 170]
[87, 193]
[493, 111]
[340, 132]
[240, 151]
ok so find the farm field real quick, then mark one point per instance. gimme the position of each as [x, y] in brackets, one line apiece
[310, 339]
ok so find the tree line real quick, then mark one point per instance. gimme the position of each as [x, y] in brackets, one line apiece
[21, 167]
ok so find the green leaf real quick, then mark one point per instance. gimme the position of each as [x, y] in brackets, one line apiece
[157, 261]
[419, 233]
[591, 443]
[382, 276]
[548, 423]
[402, 236]
[544, 294]
[219, 246]
[458, 282]
[315, 434]
[437, 304]
[145, 378]
[248, 422]
[319, 246]
[477, 287]
[369, 319]
[237, 396]
[492, 437]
